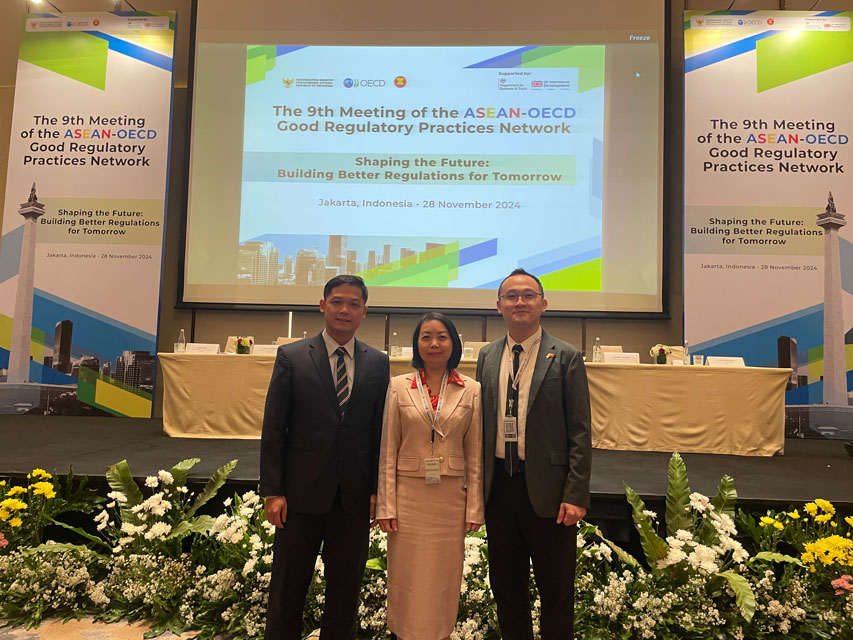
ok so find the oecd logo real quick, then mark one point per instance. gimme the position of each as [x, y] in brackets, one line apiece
[349, 83]
[740, 22]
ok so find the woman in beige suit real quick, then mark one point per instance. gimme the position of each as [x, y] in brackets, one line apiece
[430, 482]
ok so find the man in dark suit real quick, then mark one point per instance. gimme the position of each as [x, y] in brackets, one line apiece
[537, 449]
[319, 462]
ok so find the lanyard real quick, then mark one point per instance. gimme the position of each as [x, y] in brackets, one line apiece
[432, 416]
[515, 379]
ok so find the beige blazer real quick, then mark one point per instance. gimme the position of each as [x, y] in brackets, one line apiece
[406, 442]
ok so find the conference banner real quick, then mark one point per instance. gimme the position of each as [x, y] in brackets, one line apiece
[83, 215]
[768, 260]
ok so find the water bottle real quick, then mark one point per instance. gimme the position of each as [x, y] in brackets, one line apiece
[181, 344]
[596, 351]
[394, 348]
[304, 335]
[685, 359]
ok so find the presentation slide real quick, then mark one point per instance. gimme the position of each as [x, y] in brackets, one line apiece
[431, 171]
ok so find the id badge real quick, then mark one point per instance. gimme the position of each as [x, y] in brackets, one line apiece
[433, 471]
[510, 428]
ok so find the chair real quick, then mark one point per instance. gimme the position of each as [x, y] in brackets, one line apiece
[282, 340]
[611, 348]
[474, 346]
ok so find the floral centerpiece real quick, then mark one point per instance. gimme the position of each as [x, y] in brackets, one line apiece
[659, 352]
[244, 345]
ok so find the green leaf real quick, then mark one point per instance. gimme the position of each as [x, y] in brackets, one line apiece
[55, 548]
[212, 486]
[199, 524]
[654, 546]
[678, 514]
[772, 556]
[179, 471]
[120, 479]
[744, 597]
[81, 532]
[377, 564]
[724, 501]
[623, 555]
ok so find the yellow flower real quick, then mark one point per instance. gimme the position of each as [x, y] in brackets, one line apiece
[824, 517]
[807, 557]
[778, 525]
[44, 489]
[15, 491]
[15, 522]
[13, 504]
[833, 524]
[825, 506]
[2, 483]
[4, 515]
[41, 473]
[766, 521]
[794, 515]
[830, 550]
[810, 508]
[849, 520]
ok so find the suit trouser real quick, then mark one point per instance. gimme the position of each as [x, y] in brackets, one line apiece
[515, 536]
[344, 537]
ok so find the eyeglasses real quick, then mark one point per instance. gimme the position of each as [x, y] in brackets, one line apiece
[513, 296]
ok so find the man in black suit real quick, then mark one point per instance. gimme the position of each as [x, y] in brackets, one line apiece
[319, 461]
[537, 449]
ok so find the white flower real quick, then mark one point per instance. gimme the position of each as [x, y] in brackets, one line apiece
[246, 512]
[268, 526]
[158, 530]
[686, 536]
[699, 502]
[650, 514]
[227, 502]
[118, 496]
[250, 498]
[581, 541]
[103, 516]
[151, 481]
[674, 556]
[182, 489]
[126, 540]
[703, 559]
[110, 505]
[267, 558]
[249, 566]
[165, 477]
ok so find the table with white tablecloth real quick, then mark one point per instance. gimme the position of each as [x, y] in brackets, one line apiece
[738, 411]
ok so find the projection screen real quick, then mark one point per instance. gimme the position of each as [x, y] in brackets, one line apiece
[428, 149]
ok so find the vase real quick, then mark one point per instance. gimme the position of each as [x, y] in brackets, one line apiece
[660, 358]
[242, 348]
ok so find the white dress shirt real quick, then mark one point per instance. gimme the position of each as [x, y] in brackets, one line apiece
[527, 363]
[349, 358]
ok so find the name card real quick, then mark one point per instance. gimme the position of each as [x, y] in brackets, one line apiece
[406, 352]
[202, 347]
[622, 358]
[264, 349]
[725, 361]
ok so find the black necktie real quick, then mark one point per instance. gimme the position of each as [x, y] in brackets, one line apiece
[341, 382]
[511, 447]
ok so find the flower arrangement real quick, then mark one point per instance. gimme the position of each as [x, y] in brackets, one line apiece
[244, 345]
[706, 570]
[659, 352]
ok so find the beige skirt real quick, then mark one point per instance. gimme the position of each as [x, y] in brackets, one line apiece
[425, 558]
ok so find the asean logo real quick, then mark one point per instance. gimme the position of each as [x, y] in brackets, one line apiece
[96, 22]
[349, 82]
[770, 21]
[400, 81]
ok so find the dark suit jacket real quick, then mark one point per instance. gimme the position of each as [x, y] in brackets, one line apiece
[306, 449]
[558, 444]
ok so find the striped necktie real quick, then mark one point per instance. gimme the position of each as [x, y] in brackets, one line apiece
[341, 381]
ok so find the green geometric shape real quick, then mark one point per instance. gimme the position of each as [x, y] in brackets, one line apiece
[72, 54]
[436, 267]
[589, 60]
[86, 387]
[259, 60]
[585, 276]
[784, 58]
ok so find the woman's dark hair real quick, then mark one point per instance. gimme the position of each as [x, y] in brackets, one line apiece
[455, 354]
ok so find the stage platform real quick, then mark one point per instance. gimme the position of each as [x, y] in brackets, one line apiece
[808, 469]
